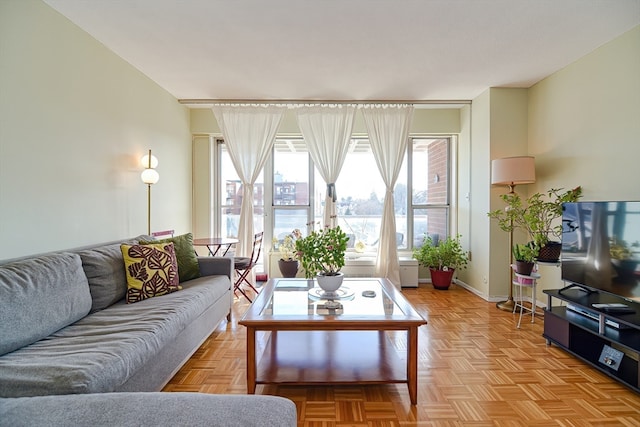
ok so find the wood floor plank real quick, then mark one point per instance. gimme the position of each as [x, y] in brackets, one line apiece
[475, 369]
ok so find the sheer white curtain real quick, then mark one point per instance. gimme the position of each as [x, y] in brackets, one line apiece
[249, 132]
[388, 128]
[327, 132]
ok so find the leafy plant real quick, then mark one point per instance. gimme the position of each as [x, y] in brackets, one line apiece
[525, 253]
[536, 214]
[447, 254]
[287, 247]
[322, 252]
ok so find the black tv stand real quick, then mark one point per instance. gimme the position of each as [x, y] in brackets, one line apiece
[577, 285]
[608, 341]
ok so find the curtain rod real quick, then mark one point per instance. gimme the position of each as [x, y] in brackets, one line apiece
[317, 101]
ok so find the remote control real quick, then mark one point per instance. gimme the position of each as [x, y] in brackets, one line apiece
[614, 308]
[610, 305]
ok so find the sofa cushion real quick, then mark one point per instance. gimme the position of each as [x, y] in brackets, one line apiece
[104, 267]
[152, 270]
[39, 296]
[185, 253]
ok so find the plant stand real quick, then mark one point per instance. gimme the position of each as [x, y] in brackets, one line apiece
[521, 282]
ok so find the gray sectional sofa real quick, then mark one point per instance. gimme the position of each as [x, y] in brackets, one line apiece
[67, 329]
[70, 341]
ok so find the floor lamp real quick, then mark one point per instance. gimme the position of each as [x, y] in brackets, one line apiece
[149, 176]
[512, 171]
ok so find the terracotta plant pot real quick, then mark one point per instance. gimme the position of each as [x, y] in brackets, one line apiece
[441, 279]
[288, 268]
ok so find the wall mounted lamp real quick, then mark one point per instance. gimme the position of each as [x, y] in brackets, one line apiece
[149, 176]
[512, 171]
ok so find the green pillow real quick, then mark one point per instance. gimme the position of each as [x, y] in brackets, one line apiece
[187, 260]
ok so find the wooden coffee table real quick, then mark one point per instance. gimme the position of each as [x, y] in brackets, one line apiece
[310, 343]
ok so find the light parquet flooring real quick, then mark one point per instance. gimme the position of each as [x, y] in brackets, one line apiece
[475, 369]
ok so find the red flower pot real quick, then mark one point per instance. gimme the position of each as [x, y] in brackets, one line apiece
[441, 279]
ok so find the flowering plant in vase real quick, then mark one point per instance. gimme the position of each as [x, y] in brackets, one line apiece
[287, 247]
[288, 264]
[322, 252]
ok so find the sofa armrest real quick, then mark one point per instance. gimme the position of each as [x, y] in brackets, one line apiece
[216, 265]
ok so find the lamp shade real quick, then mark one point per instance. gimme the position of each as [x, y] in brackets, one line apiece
[144, 161]
[149, 176]
[513, 170]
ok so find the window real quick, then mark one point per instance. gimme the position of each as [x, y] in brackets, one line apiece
[361, 190]
[429, 188]
[296, 192]
[291, 187]
[231, 192]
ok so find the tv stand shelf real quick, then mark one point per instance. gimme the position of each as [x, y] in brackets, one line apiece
[589, 333]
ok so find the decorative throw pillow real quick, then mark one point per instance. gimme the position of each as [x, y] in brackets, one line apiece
[152, 270]
[188, 267]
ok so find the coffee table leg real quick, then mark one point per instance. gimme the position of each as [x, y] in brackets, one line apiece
[251, 360]
[412, 364]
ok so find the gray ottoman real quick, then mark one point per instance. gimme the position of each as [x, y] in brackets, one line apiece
[148, 409]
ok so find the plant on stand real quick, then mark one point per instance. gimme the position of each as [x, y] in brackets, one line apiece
[442, 259]
[321, 254]
[537, 216]
[525, 257]
[288, 264]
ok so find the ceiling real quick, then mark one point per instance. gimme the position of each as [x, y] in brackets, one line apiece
[395, 50]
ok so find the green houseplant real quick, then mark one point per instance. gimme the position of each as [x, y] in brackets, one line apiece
[442, 259]
[537, 216]
[525, 257]
[321, 253]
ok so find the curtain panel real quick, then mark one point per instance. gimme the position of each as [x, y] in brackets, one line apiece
[388, 128]
[249, 132]
[326, 130]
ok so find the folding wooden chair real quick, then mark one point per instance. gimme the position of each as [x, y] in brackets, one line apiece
[244, 266]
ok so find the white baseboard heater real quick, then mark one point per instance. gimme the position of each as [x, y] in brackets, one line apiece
[365, 267]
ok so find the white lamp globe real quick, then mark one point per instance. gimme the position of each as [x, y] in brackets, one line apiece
[144, 161]
[149, 176]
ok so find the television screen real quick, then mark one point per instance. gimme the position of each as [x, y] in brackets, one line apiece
[601, 247]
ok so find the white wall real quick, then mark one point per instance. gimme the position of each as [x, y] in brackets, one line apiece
[74, 121]
[584, 128]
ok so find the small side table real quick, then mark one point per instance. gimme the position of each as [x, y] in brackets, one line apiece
[521, 282]
[214, 244]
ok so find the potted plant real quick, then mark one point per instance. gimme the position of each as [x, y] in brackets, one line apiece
[288, 264]
[525, 257]
[537, 216]
[321, 254]
[442, 259]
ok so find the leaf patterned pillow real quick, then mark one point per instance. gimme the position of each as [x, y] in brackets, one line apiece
[152, 270]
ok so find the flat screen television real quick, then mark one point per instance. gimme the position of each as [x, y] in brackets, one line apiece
[601, 247]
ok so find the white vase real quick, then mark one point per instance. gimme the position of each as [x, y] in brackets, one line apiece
[330, 284]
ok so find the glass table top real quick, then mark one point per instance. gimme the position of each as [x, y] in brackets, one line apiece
[302, 297]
